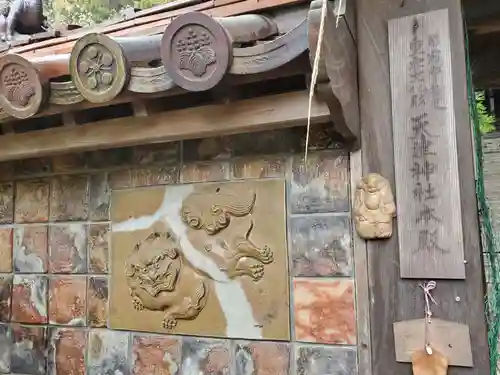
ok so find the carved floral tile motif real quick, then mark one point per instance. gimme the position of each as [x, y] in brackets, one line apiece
[29, 350]
[66, 351]
[97, 302]
[108, 353]
[159, 355]
[205, 356]
[320, 186]
[205, 172]
[262, 358]
[100, 197]
[259, 167]
[99, 248]
[5, 250]
[69, 198]
[5, 348]
[32, 201]
[321, 245]
[324, 311]
[29, 299]
[180, 267]
[68, 248]
[5, 298]
[320, 360]
[67, 300]
[6, 203]
[31, 252]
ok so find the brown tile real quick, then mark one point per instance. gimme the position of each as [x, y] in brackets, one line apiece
[6, 170]
[67, 300]
[69, 198]
[324, 311]
[97, 297]
[158, 355]
[32, 201]
[205, 356]
[205, 172]
[259, 167]
[112, 158]
[206, 149]
[31, 251]
[34, 166]
[6, 203]
[29, 299]
[98, 248]
[66, 351]
[68, 248]
[157, 154]
[320, 360]
[322, 137]
[267, 142]
[320, 245]
[121, 179]
[108, 352]
[6, 250]
[29, 351]
[155, 176]
[5, 298]
[262, 358]
[100, 197]
[69, 163]
[321, 185]
[5, 348]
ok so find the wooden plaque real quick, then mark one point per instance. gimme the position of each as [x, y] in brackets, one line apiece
[425, 148]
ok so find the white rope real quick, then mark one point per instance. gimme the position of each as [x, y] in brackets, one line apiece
[428, 288]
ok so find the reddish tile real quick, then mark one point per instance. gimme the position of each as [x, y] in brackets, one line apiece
[157, 154]
[98, 248]
[66, 354]
[67, 300]
[158, 355]
[259, 167]
[69, 198]
[262, 358]
[324, 311]
[69, 163]
[100, 197]
[205, 356]
[320, 186]
[68, 248]
[321, 245]
[6, 203]
[205, 172]
[321, 360]
[5, 250]
[29, 299]
[28, 354]
[32, 201]
[97, 297]
[31, 253]
[5, 298]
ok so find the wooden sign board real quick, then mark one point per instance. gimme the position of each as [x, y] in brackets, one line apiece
[451, 339]
[425, 148]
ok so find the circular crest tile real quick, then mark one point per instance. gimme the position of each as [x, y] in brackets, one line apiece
[196, 51]
[23, 90]
[99, 67]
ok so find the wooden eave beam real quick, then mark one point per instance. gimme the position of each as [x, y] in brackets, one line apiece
[263, 113]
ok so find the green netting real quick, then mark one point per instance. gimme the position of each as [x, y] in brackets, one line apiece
[489, 240]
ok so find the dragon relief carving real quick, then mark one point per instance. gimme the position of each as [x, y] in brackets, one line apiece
[160, 279]
[213, 213]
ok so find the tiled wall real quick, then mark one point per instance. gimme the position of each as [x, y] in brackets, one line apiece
[54, 259]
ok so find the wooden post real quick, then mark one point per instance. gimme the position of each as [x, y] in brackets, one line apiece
[395, 299]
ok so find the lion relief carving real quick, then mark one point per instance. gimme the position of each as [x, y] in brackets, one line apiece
[160, 279]
[374, 207]
[225, 217]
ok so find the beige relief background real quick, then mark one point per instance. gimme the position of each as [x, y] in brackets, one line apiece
[232, 282]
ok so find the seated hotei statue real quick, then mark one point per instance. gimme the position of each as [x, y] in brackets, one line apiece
[374, 207]
[21, 16]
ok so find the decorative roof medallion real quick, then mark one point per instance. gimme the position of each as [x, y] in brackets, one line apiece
[99, 67]
[23, 90]
[196, 51]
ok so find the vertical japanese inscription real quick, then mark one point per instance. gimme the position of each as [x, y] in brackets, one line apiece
[425, 151]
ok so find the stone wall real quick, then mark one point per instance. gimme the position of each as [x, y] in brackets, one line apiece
[58, 245]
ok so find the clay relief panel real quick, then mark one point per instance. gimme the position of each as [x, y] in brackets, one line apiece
[204, 259]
